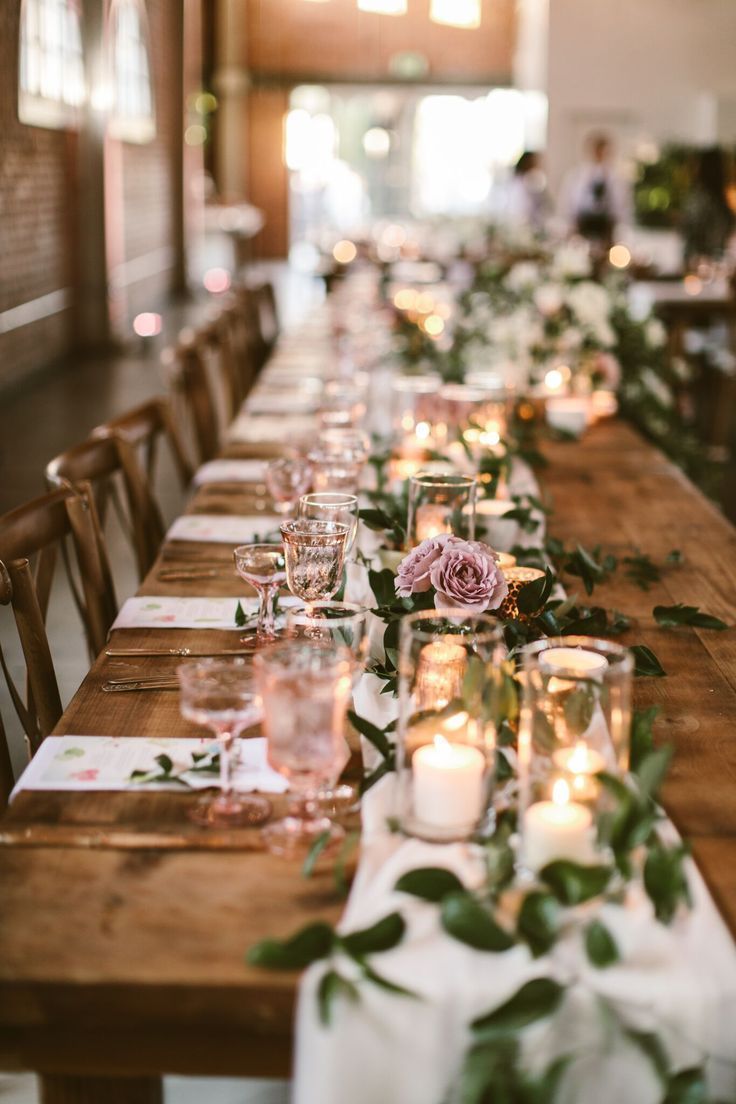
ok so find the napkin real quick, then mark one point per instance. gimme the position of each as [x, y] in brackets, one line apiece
[141, 612]
[225, 529]
[231, 471]
[107, 762]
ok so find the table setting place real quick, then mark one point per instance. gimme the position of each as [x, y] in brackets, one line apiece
[414, 691]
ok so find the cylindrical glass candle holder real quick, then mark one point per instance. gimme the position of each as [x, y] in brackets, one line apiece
[575, 722]
[449, 674]
[442, 503]
[414, 404]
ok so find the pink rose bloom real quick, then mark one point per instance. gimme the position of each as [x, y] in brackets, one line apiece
[413, 572]
[467, 576]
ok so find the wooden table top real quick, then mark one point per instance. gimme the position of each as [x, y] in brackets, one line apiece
[123, 927]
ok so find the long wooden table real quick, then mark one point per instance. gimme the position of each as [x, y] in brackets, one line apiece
[123, 928]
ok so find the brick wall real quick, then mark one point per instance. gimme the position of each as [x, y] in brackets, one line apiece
[36, 220]
[38, 234]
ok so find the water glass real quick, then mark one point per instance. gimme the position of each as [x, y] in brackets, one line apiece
[334, 470]
[314, 554]
[343, 624]
[264, 567]
[306, 689]
[332, 506]
[221, 695]
[287, 480]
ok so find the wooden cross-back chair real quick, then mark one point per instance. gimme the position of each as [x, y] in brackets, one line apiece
[267, 316]
[31, 538]
[110, 464]
[216, 339]
[144, 428]
[186, 375]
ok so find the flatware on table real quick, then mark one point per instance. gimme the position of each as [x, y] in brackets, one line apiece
[161, 683]
[198, 652]
[180, 575]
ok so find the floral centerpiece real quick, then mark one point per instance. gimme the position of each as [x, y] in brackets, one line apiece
[461, 574]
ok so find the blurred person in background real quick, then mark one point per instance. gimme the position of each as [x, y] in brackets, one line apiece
[595, 197]
[707, 221]
[527, 201]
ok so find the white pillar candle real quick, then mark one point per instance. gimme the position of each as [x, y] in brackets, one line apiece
[448, 785]
[557, 829]
[568, 412]
[575, 662]
[498, 532]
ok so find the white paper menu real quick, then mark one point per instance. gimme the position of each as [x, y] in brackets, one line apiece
[225, 528]
[107, 762]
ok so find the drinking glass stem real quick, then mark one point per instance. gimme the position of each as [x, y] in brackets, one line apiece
[266, 596]
[226, 742]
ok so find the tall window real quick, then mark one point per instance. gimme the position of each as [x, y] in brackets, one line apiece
[132, 118]
[51, 86]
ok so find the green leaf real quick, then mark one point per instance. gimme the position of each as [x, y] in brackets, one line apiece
[642, 741]
[671, 616]
[646, 662]
[382, 585]
[166, 764]
[534, 1001]
[665, 880]
[532, 597]
[241, 616]
[687, 1087]
[600, 945]
[675, 556]
[642, 571]
[650, 1045]
[538, 921]
[572, 883]
[313, 942]
[652, 770]
[332, 986]
[384, 983]
[431, 883]
[315, 851]
[374, 735]
[382, 936]
[467, 921]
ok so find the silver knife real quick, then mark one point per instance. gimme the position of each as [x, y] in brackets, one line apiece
[161, 684]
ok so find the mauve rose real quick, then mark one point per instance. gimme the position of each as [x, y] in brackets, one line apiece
[466, 576]
[412, 575]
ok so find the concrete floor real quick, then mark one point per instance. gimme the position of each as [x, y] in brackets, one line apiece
[52, 412]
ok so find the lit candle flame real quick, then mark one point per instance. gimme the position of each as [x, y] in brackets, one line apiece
[561, 792]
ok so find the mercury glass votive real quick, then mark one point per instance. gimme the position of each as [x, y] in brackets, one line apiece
[449, 669]
[441, 503]
[517, 578]
[414, 404]
[575, 722]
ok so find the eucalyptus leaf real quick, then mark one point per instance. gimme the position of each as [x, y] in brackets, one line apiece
[646, 662]
[241, 616]
[534, 1001]
[314, 853]
[382, 585]
[642, 741]
[313, 942]
[687, 1087]
[665, 880]
[332, 986]
[431, 883]
[600, 945]
[532, 596]
[467, 921]
[374, 735]
[652, 770]
[671, 616]
[538, 922]
[382, 936]
[573, 883]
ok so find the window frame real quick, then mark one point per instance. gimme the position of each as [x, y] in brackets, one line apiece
[141, 128]
[35, 106]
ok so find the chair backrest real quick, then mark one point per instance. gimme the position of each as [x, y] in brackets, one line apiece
[6, 768]
[185, 372]
[267, 314]
[31, 537]
[109, 462]
[216, 342]
[143, 428]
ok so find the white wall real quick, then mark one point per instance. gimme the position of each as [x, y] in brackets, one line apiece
[645, 70]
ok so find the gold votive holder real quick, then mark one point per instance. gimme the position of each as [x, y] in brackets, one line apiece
[517, 578]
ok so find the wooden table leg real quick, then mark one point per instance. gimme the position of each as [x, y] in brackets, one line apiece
[100, 1090]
